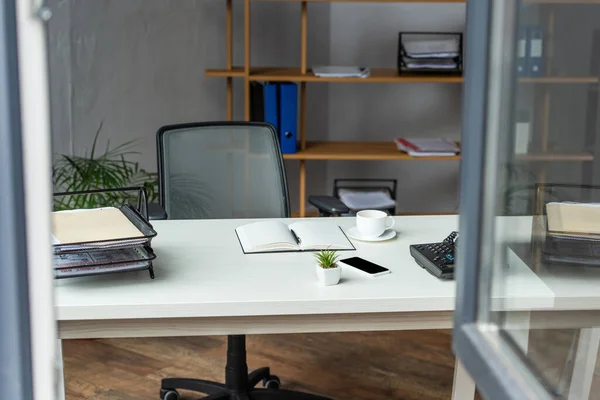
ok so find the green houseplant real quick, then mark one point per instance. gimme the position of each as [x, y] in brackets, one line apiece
[328, 270]
[101, 170]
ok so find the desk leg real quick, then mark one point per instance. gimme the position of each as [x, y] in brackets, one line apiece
[518, 325]
[60, 373]
[463, 387]
[585, 363]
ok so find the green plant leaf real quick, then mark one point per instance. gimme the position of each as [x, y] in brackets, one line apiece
[327, 258]
[110, 169]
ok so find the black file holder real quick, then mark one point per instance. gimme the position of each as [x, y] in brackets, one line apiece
[551, 249]
[402, 55]
[137, 215]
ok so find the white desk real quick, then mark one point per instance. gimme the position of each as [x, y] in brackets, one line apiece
[576, 305]
[205, 285]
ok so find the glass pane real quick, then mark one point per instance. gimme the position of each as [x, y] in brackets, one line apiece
[543, 189]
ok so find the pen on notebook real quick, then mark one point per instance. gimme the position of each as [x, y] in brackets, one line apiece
[298, 241]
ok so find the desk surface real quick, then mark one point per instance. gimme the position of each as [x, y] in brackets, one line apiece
[202, 272]
[574, 288]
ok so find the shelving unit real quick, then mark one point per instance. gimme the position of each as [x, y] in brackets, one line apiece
[355, 151]
[359, 151]
[543, 110]
[381, 75]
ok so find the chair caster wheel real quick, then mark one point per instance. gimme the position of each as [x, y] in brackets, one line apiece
[271, 382]
[169, 394]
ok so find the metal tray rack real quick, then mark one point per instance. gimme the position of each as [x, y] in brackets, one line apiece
[109, 256]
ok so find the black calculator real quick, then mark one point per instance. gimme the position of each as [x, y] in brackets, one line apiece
[437, 258]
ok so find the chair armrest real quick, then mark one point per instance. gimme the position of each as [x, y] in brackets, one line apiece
[328, 205]
[155, 211]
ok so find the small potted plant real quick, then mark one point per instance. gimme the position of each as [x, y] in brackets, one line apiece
[328, 270]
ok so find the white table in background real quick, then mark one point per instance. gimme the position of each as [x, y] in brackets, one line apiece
[576, 305]
[205, 285]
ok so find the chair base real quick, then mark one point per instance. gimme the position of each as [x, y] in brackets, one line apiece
[218, 391]
[239, 385]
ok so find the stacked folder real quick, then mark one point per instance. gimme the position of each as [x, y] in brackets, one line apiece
[427, 147]
[277, 104]
[101, 241]
[530, 51]
[573, 233]
[430, 52]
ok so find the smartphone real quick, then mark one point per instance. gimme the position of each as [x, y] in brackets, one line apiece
[365, 266]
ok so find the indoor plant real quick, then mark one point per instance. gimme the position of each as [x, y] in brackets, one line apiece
[95, 170]
[328, 270]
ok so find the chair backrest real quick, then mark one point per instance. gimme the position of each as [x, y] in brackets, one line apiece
[221, 170]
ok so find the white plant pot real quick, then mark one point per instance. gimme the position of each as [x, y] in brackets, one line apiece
[329, 276]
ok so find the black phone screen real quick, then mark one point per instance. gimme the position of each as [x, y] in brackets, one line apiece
[364, 265]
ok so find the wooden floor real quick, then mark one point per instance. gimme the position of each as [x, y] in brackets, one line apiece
[360, 366]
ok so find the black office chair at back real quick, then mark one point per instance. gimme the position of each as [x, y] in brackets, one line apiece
[224, 170]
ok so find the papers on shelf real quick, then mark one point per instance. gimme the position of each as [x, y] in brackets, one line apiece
[427, 147]
[430, 52]
[574, 219]
[100, 269]
[430, 63]
[118, 256]
[451, 54]
[117, 244]
[426, 46]
[331, 71]
[366, 199]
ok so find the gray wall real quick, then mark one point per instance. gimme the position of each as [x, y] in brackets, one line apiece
[138, 65]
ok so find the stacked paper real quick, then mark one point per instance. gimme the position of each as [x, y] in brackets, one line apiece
[574, 219]
[431, 52]
[427, 147]
[366, 199]
[341, 72]
[97, 241]
[573, 234]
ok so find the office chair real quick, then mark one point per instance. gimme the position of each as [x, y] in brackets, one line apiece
[225, 170]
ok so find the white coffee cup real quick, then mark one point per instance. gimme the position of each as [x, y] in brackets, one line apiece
[372, 223]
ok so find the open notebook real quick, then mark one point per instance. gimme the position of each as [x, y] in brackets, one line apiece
[277, 236]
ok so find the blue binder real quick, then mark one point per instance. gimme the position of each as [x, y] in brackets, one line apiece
[288, 117]
[522, 52]
[271, 106]
[536, 45]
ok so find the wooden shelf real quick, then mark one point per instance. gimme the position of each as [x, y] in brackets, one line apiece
[560, 79]
[556, 157]
[294, 75]
[235, 72]
[388, 151]
[356, 151]
[377, 75]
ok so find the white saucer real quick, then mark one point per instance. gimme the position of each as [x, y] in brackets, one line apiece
[355, 234]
